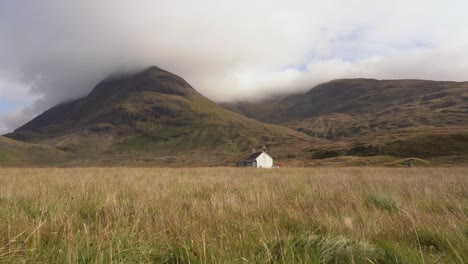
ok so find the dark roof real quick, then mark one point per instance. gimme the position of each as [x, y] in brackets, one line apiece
[253, 156]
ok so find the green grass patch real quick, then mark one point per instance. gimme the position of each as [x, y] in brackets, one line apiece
[319, 249]
[399, 253]
[382, 202]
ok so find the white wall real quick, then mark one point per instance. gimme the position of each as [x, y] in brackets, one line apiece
[264, 161]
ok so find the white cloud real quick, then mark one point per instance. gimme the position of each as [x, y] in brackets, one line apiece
[15, 93]
[227, 50]
[13, 118]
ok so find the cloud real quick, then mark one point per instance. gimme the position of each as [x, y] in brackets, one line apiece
[56, 50]
[14, 117]
[14, 93]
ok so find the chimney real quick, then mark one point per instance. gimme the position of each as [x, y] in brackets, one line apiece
[264, 149]
[254, 150]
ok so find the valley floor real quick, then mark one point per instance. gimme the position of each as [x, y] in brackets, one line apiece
[230, 215]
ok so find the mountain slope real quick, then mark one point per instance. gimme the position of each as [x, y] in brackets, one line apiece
[351, 107]
[154, 116]
[15, 153]
[368, 121]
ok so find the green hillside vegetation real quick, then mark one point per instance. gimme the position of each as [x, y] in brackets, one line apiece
[419, 146]
[350, 107]
[15, 153]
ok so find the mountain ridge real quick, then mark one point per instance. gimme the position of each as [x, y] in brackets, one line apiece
[379, 122]
[357, 106]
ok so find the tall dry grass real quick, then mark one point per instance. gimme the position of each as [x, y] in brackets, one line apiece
[229, 215]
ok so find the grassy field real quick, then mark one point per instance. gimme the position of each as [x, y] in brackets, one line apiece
[229, 215]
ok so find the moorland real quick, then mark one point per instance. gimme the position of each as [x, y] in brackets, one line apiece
[230, 215]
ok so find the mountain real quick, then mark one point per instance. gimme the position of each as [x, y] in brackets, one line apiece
[350, 107]
[155, 118]
[15, 153]
[152, 117]
[380, 122]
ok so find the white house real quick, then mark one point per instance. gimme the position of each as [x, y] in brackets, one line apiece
[257, 160]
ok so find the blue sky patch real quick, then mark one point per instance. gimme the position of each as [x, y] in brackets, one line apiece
[6, 106]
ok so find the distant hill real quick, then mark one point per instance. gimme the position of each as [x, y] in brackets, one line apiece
[372, 122]
[350, 107]
[151, 117]
[15, 153]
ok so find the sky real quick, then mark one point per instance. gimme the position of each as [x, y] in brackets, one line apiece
[57, 50]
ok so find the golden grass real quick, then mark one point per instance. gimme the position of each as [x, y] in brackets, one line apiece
[230, 215]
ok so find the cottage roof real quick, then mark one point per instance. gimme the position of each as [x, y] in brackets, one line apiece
[253, 156]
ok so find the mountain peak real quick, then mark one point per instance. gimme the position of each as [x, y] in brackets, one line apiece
[152, 79]
[153, 69]
[120, 75]
[111, 95]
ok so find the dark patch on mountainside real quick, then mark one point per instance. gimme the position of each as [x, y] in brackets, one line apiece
[441, 145]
